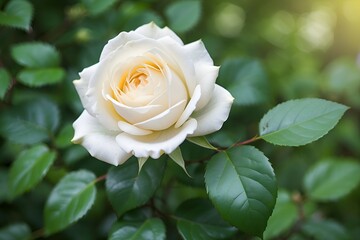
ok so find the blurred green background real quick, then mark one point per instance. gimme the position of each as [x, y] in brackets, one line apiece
[269, 52]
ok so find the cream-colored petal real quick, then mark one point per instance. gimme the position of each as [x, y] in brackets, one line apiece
[136, 114]
[158, 143]
[214, 114]
[190, 107]
[100, 142]
[133, 130]
[165, 119]
[206, 75]
[197, 51]
[151, 30]
[82, 86]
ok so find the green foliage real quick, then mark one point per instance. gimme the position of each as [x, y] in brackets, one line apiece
[18, 231]
[249, 175]
[326, 229]
[35, 55]
[5, 81]
[29, 168]
[18, 14]
[283, 217]
[197, 219]
[69, 201]
[299, 122]
[268, 53]
[40, 77]
[152, 228]
[183, 15]
[330, 179]
[246, 80]
[30, 122]
[127, 188]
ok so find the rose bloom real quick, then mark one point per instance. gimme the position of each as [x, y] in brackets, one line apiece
[147, 94]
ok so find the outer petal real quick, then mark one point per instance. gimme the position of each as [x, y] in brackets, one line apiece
[214, 114]
[207, 75]
[197, 51]
[99, 141]
[82, 85]
[154, 145]
[150, 30]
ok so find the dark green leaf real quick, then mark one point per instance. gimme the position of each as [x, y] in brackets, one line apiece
[198, 219]
[29, 168]
[299, 122]
[325, 229]
[330, 180]
[246, 80]
[127, 189]
[183, 15]
[5, 80]
[98, 6]
[35, 55]
[152, 228]
[40, 77]
[63, 139]
[19, 231]
[18, 13]
[69, 200]
[30, 122]
[4, 192]
[242, 185]
[283, 217]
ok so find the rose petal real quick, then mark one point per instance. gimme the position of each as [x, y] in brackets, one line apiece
[190, 107]
[136, 114]
[165, 119]
[154, 145]
[207, 76]
[198, 53]
[150, 30]
[82, 86]
[133, 130]
[214, 114]
[100, 142]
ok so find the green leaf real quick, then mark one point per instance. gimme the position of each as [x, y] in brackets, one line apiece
[177, 157]
[283, 217]
[29, 168]
[325, 229]
[183, 15]
[4, 192]
[96, 7]
[152, 228]
[35, 55]
[69, 200]
[18, 14]
[299, 122]
[331, 180]
[141, 162]
[40, 77]
[30, 122]
[63, 139]
[128, 189]
[246, 79]
[202, 142]
[241, 183]
[5, 80]
[198, 219]
[19, 231]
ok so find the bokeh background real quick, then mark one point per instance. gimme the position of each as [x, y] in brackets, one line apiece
[269, 52]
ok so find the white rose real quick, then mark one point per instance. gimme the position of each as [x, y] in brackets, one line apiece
[147, 93]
